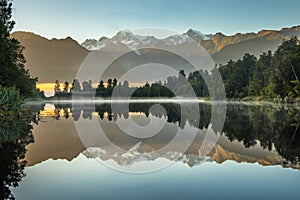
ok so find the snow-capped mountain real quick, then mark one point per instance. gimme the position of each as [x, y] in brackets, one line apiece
[67, 55]
[133, 41]
[177, 39]
[92, 44]
[142, 152]
[128, 38]
[197, 35]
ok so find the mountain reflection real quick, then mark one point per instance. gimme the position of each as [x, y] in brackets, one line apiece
[265, 134]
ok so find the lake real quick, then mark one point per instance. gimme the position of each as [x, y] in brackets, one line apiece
[143, 150]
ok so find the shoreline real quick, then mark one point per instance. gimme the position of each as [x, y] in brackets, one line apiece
[157, 100]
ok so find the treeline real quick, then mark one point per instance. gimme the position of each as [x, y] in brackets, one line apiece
[173, 84]
[250, 125]
[106, 89]
[271, 76]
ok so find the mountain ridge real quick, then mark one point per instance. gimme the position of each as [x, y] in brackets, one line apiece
[59, 59]
[215, 42]
[51, 59]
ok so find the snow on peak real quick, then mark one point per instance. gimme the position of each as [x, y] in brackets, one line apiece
[177, 39]
[197, 35]
[142, 152]
[92, 44]
[124, 34]
[134, 41]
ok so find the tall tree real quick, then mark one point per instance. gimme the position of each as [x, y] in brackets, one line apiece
[109, 83]
[101, 84]
[115, 82]
[57, 88]
[13, 72]
[286, 69]
[66, 87]
[75, 86]
[100, 91]
[261, 75]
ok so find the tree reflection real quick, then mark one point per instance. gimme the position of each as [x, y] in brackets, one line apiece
[15, 134]
[266, 125]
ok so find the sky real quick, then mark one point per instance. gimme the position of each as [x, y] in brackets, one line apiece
[83, 19]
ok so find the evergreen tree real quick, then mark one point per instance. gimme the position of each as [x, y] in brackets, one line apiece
[286, 69]
[56, 87]
[261, 75]
[114, 83]
[66, 87]
[13, 72]
[75, 86]
[109, 83]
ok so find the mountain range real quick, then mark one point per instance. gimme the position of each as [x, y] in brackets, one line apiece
[131, 151]
[59, 59]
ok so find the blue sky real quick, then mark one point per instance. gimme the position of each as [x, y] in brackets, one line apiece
[82, 19]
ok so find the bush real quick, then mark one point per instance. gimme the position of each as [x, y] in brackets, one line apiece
[10, 100]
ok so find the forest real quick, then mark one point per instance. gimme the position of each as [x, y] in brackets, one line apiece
[272, 76]
[250, 125]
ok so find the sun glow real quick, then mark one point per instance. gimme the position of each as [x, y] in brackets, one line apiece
[48, 88]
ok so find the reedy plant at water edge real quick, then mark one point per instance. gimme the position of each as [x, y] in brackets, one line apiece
[10, 100]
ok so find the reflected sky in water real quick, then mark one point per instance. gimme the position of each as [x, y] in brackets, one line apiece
[255, 157]
[86, 179]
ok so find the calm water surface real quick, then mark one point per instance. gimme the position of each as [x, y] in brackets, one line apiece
[256, 155]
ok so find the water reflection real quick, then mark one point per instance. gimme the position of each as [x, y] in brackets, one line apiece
[15, 135]
[265, 134]
[267, 125]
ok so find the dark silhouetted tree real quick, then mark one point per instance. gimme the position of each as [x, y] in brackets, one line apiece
[66, 87]
[75, 86]
[57, 88]
[12, 72]
[114, 83]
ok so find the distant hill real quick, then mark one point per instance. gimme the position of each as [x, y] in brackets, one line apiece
[60, 59]
[224, 48]
[51, 59]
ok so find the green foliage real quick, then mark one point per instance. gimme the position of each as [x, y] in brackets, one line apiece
[270, 76]
[261, 75]
[10, 100]
[286, 69]
[12, 125]
[12, 71]
[267, 125]
[198, 84]
[273, 126]
[15, 135]
[236, 76]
